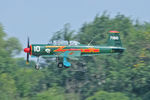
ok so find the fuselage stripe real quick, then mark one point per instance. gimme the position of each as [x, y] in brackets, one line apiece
[61, 49]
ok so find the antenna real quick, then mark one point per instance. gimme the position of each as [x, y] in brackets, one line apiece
[90, 41]
[93, 39]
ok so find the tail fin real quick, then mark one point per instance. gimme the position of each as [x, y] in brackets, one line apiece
[114, 39]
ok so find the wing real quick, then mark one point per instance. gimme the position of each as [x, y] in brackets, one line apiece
[70, 54]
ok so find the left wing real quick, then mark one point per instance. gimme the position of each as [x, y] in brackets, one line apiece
[70, 54]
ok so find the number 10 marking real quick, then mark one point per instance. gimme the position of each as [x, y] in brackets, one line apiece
[36, 48]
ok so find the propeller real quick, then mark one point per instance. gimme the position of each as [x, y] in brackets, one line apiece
[28, 45]
[27, 50]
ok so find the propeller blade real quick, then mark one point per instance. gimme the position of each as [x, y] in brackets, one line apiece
[27, 62]
[28, 46]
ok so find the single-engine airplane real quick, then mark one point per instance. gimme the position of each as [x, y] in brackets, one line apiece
[63, 50]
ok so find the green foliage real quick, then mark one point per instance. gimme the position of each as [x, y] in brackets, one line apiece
[102, 95]
[13, 46]
[63, 34]
[7, 87]
[146, 96]
[54, 93]
[27, 79]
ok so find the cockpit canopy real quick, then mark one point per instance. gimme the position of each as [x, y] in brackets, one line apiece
[63, 42]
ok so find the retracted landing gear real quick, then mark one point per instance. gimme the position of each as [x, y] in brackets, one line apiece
[37, 64]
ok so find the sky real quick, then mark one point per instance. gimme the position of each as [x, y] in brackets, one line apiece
[39, 19]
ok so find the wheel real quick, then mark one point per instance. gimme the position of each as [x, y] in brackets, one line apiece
[37, 67]
[60, 65]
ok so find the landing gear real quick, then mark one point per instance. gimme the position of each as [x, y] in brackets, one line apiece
[59, 62]
[37, 67]
[63, 62]
[66, 63]
[60, 65]
[37, 64]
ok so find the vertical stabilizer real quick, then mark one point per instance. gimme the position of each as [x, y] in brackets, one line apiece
[114, 39]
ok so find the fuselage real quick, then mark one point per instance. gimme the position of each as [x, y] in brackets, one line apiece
[85, 50]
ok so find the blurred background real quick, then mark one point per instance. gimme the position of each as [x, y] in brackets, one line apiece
[105, 77]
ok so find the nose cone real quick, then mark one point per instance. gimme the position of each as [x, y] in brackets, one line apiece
[27, 50]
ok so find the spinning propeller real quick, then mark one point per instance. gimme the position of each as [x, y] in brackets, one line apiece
[27, 50]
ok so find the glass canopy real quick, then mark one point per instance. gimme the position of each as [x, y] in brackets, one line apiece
[63, 42]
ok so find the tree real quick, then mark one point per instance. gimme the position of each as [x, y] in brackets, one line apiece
[102, 95]
[55, 93]
[63, 34]
[7, 87]
[27, 80]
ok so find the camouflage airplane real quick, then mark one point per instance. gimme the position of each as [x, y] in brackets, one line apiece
[65, 49]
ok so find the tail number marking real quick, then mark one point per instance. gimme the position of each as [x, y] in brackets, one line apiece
[114, 37]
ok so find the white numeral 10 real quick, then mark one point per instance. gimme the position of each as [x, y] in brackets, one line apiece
[36, 48]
